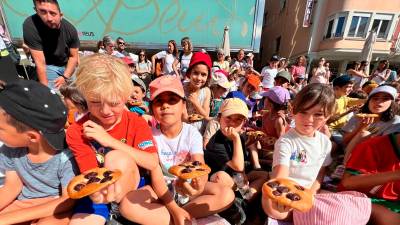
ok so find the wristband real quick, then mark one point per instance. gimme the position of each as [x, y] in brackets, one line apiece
[65, 78]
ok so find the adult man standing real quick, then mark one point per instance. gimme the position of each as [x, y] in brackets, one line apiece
[53, 43]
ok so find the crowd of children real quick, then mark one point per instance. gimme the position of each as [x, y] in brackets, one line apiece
[109, 118]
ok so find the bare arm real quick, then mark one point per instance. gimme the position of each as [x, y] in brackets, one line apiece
[72, 63]
[51, 208]
[355, 182]
[237, 161]
[40, 62]
[175, 67]
[11, 189]
[153, 63]
[317, 183]
[69, 68]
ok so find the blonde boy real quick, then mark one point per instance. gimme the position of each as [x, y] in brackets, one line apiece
[109, 135]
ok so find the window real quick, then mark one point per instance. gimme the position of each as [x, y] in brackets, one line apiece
[336, 25]
[278, 44]
[329, 31]
[358, 26]
[340, 26]
[282, 5]
[381, 25]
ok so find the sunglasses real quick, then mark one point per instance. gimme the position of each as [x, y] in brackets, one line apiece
[121, 43]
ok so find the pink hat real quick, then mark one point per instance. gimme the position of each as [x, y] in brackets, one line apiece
[128, 60]
[166, 84]
[200, 57]
[277, 94]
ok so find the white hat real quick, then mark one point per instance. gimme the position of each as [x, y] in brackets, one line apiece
[219, 78]
[385, 89]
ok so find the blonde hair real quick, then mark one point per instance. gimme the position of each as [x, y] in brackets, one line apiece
[104, 77]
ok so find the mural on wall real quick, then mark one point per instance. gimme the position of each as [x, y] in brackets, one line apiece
[149, 21]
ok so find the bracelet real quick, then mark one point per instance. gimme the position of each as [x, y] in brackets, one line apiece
[65, 78]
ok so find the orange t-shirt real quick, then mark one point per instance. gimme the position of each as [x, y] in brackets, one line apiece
[132, 130]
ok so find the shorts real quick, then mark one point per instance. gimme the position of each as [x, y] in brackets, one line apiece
[85, 205]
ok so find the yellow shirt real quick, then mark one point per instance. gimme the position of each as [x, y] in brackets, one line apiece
[341, 105]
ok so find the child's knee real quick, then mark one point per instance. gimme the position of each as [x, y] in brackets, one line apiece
[118, 159]
[223, 178]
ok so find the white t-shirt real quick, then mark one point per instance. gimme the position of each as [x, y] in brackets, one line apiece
[268, 75]
[179, 149]
[169, 60]
[303, 155]
[185, 61]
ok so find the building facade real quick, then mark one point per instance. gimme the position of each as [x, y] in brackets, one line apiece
[335, 30]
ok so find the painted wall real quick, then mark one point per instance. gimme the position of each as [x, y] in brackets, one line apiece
[150, 22]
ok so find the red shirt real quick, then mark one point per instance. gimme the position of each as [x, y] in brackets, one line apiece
[377, 155]
[132, 130]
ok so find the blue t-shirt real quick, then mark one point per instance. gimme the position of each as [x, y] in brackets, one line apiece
[137, 109]
[39, 179]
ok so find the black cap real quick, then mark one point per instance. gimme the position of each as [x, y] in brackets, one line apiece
[37, 106]
[342, 80]
[275, 58]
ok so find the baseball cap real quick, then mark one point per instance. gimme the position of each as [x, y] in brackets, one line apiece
[138, 81]
[236, 94]
[166, 83]
[342, 80]
[219, 78]
[275, 58]
[35, 105]
[277, 94]
[233, 106]
[128, 60]
[284, 74]
[254, 80]
[200, 57]
[385, 89]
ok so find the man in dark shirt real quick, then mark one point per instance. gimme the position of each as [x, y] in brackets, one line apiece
[53, 43]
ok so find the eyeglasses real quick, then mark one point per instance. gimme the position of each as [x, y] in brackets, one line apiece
[121, 43]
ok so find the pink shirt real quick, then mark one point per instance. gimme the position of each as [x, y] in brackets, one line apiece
[296, 70]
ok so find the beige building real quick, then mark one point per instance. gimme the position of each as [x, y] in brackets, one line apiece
[334, 29]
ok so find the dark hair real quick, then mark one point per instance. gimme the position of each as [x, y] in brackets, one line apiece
[386, 64]
[47, 1]
[99, 44]
[358, 94]
[19, 126]
[144, 52]
[71, 91]
[119, 39]
[385, 116]
[175, 51]
[312, 95]
[354, 64]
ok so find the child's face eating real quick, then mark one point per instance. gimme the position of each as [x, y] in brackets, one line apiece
[379, 102]
[168, 108]
[308, 121]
